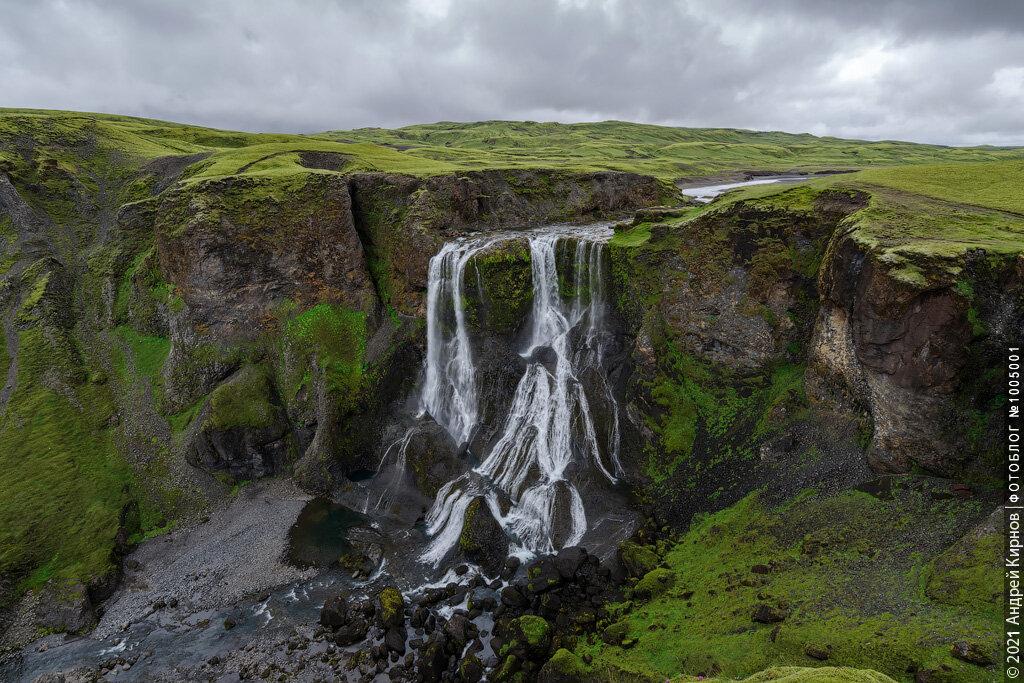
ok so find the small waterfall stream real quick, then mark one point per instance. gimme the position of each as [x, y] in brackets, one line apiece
[549, 430]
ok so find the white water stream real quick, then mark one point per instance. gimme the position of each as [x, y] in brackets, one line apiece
[524, 477]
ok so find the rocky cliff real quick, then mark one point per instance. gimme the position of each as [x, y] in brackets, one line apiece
[794, 331]
[168, 335]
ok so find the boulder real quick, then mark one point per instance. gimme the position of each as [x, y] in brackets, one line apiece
[564, 667]
[334, 613]
[569, 560]
[471, 670]
[390, 608]
[542, 575]
[654, 583]
[529, 637]
[243, 430]
[766, 614]
[432, 458]
[483, 541]
[511, 596]
[637, 559]
[66, 609]
[394, 639]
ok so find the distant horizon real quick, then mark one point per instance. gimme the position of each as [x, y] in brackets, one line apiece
[944, 72]
[480, 121]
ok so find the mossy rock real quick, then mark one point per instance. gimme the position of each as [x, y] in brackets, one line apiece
[391, 607]
[244, 401]
[243, 430]
[509, 671]
[616, 633]
[471, 670]
[969, 574]
[654, 583]
[637, 559]
[483, 540]
[530, 635]
[564, 667]
[498, 287]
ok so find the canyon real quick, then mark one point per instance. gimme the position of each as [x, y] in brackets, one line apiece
[551, 416]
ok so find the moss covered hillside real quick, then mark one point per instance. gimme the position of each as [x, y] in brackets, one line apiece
[809, 372]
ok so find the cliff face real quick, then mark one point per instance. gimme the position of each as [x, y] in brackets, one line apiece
[403, 221]
[161, 334]
[167, 336]
[777, 339]
[915, 354]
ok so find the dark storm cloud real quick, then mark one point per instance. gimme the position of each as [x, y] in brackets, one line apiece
[931, 70]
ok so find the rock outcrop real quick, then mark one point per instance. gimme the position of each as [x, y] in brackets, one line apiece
[898, 348]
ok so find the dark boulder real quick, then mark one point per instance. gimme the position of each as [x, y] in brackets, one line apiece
[65, 609]
[471, 670]
[433, 657]
[334, 613]
[460, 630]
[483, 541]
[352, 632]
[513, 597]
[394, 639]
[569, 560]
[243, 430]
[432, 458]
[542, 575]
[766, 614]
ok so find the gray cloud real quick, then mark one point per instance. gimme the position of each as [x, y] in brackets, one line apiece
[927, 70]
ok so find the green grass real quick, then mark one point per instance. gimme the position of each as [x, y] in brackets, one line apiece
[440, 148]
[918, 220]
[991, 185]
[633, 237]
[657, 150]
[846, 568]
[150, 352]
[64, 485]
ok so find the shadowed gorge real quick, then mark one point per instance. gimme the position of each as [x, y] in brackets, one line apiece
[497, 399]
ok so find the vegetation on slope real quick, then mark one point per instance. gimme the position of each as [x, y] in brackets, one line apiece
[58, 434]
[657, 150]
[827, 578]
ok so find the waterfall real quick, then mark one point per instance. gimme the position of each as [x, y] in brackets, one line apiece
[549, 423]
[449, 383]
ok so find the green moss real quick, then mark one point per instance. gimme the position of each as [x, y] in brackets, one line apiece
[845, 569]
[969, 574]
[565, 663]
[654, 583]
[334, 339]
[638, 559]
[391, 604]
[825, 674]
[467, 543]
[244, 400]
[64, 487]
[734, 408]
[534, 629]
[499, 287]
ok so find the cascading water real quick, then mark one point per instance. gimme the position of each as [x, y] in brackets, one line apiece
[524, 477]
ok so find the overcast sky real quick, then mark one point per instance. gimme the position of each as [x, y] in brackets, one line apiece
[945, 71]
